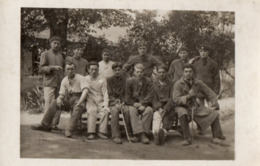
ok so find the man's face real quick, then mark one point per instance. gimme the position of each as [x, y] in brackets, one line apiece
[183, 55]
[161, 74]
[188, 73]
[138, 73]
[203, 53]
[55, 45]
[93, 71]
[142, 50]
[78, 52]
[117, 71]
[70, 70]
[106, 56]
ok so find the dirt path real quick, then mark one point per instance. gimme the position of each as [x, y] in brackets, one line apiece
[37, 144]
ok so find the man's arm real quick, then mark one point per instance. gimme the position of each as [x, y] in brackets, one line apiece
[82, 97]
[104, 93]
[149, 94]
[171, 71]
[178, 97]
[216, 80]
[209, 95]
[128, 93]
[44, 65]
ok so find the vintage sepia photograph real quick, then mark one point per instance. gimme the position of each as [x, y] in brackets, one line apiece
[127, 84]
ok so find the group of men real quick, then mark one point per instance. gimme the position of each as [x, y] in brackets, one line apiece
[146, 103]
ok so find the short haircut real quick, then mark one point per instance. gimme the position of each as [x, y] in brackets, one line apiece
[162, 66]
[183, 49]
[92, 63]
[187, 65]
[138, 66]
[71, 63]
[55, 38]
[117, 64]
[78, 45]
[105, 50]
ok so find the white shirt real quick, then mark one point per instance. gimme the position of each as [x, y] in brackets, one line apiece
[76, 85]
[105, 69]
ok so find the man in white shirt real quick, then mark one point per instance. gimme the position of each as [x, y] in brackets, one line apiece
[72, 95]
[97, 102]
[105, 66]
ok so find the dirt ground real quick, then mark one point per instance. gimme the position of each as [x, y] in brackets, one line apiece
[37, 144]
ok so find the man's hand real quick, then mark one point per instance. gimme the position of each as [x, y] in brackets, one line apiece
[59, 102]
[211, 109]
[162, 112]
[107, 109]
[77, 105]
[191, 94]
[137, 105]
[141, 108]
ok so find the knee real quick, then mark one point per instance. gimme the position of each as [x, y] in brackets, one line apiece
[114, 111]
[91, 111]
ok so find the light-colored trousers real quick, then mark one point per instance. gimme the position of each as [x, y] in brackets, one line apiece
[94, 111]
[157, 122]
[49, 97]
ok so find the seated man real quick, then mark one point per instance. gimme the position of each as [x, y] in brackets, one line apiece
[97, 102]
[185, 94]
[163, 105]
[116, 92]
[139, 94]
[72, 95]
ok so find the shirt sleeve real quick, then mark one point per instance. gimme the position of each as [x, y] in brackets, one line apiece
[63, 90]
[171, 71]
[44, 64]
[128, 93]
[216, 80]
[83, 84]
[105, 94]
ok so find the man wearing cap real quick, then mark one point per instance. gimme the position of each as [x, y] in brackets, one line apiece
[105, 66]
[185, 95]
[176, 68]
[138, 98]
[72, 95]
[148, 61]
[207, 69]
[97, 102]
[116, 93]
[163, 105]
[80, 62]
[51, 65]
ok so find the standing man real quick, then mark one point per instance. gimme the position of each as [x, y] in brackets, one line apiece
[148, 61]
[163, 105]
[72, 95]
[105, 66]
[116, 93]
[207, 69]
[51, 65]
[139, 96]
[176, 68]
[185, 95]
[81, 63]
[97, 102]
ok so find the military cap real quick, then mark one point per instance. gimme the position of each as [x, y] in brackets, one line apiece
[141, 43]
[183, 49]
[205, 47]
[78, 45]
[117, 64]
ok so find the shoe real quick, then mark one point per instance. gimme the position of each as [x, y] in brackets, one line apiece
[144, 139]
[186, 142]
[102, 136]
[162, 136]
[117, 140]
[219, 142]
[91, 137]
[222, 137]
[41, 127]
[56, 128]
[68, 134]
[134, 139]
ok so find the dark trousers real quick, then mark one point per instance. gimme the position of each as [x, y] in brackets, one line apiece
[168, 120]
[75, 116]
[115, 127]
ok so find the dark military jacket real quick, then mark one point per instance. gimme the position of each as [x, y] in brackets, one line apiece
[116, 89]
[175, 71]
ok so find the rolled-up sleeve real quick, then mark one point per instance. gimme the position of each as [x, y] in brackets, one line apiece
[104, 92]
[63, 88]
